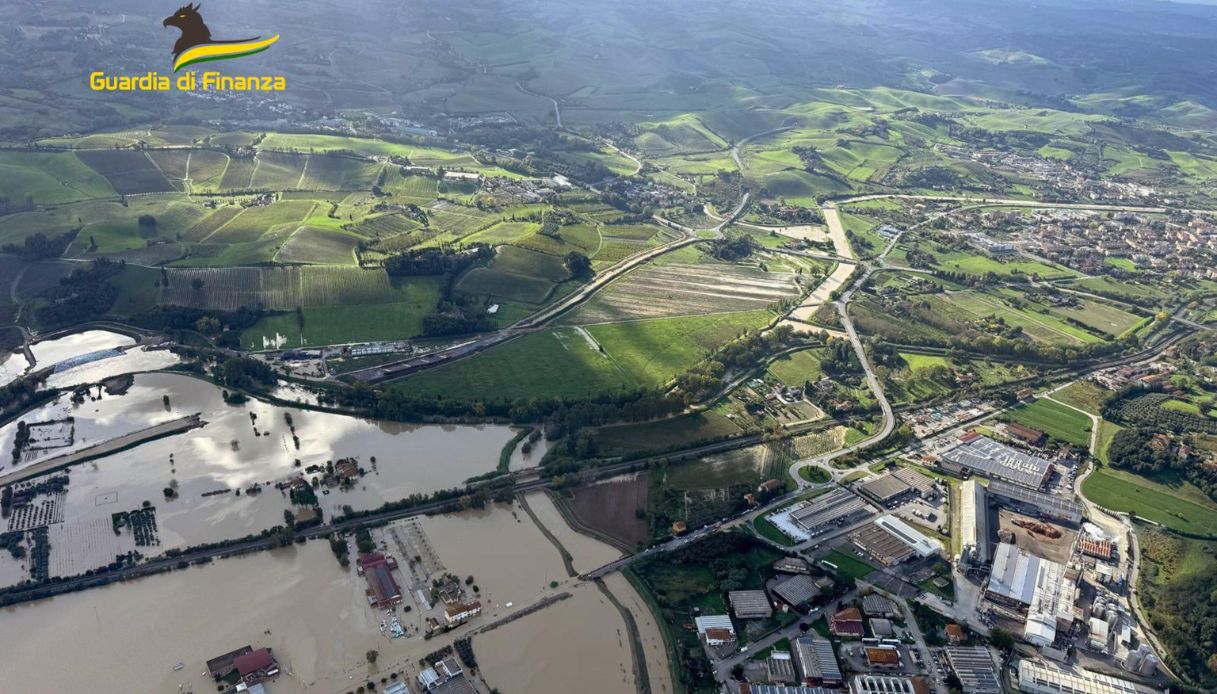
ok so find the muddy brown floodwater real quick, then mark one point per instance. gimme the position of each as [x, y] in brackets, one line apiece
[128, 637]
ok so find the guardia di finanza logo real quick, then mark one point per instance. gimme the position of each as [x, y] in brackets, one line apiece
[195, 45]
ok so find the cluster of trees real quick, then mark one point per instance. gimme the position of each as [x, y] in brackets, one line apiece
[437, 261]
[1131, 449]
[10, 206]
[708, 376]
[578, 264]
[455, 318]
[723, 190]
[84, 295]
[246, 374]
[1138, 406]
[790, 214]
[225, 326]
[1184, 616]
[39, 245]
[560, 415]
[840, 358]
[934, 177]
[734, 249]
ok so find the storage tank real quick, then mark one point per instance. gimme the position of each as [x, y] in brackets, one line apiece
[1149, 665]
[1133, 662]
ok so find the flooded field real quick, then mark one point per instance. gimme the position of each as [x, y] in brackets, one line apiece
[213, 468]
[315, 615]
[128, 637]
[502, 549]
[193, 469]
[582, 640]
[656, 653]
[12, 367]
[85, 357]
[51, 352]
[132, 360]
[586, 552]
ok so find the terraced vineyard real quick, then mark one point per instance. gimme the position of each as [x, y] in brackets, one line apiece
[680, 289]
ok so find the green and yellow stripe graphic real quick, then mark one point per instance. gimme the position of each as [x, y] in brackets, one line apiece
[221, 51]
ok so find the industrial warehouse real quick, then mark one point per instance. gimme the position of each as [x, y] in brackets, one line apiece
[1042, 678]
[983, 456]
[974, 524]
[808, 519]
[892, 541]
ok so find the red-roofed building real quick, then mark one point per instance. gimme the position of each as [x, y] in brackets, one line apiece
[955, 634]
[848, 622]
[886, 657]
[256, 666]
[968, 436]
[382, 588]
[1103, 549]
[1026, 434]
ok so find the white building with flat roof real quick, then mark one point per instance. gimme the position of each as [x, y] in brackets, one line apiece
[1042, 678]
[974, 524]
[921, 545]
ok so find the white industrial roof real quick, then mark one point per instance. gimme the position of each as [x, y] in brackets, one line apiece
[909, 535]
[974, 519]
[714, 621]
[1041, 677]
[1014, 572]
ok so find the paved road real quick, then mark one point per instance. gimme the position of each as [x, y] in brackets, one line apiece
[104, 448]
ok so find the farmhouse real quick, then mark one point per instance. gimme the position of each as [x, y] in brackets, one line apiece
[458, 613]
[256, 666]
[1026, 434]
[222, 666]
[955, 634]
[716, 630]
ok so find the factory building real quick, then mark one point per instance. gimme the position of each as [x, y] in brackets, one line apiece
[983, 456]
[1042, 678]
[974, 524]
[1046, 589]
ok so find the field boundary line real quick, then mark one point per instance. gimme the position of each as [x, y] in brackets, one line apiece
[304, 170]
[226, 223]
